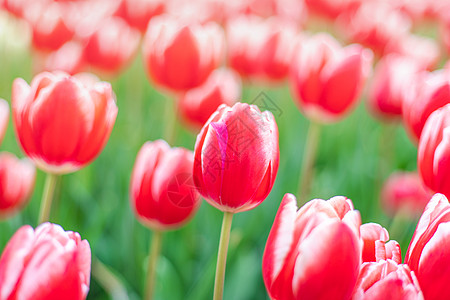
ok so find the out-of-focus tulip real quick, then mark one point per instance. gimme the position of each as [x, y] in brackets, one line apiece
[236, 157]
[223, 86]
[331, 9]
[261, 49]
[313, 253]
[57, 60]
[429, 92]
[163, 193]
[433, 157]
[62, 122]
[404, 192]
[386, 278]
[112, 46]
[137, 13]
[16, 183]
[428, 254]
[46, 263]
[4, 118]
[392, 80]
[326, 79]
[180, 56]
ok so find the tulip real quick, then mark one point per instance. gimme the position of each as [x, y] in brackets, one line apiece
[236, 160]
[62, 123]
[57, 60]
[4, 118]
[112, 46]
[163, 194]
[428, 93]
[370, 234]
[137, 13]
[46, 263]
[378, 279]
[313, 253]
[391, 82]
[223, 86]
[16, 183]
[331, 9]
[404, 192]
[433, 158]
[326, 79]
[180, 56]
[428, 254]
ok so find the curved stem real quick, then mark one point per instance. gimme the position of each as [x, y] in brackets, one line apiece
[222, 255]
[309, 157]
[47, 197]
[155, 249]
[108, 280]
[170, 121]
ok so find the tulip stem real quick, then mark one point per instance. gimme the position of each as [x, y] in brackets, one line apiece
[170, 120]
[309, 157]
[222, 255]
[47, 197]
[155, 249]
[108, 280]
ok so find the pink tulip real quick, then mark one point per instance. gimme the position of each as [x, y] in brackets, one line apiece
[57, 60]
[4, 118]
[47, 263]
[374, 237]
[313, 253]
[428, 254]
[433, 157]
[326, 79]
[137, 13]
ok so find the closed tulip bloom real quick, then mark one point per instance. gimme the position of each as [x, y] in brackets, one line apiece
[404, 192]
[57, 60]
[433, 158]
[163, 194]
[180, 56]
[428, 254]
[112, 46]
[62, 122]
[313, 252]
[428, 93]
[236, 157]
[4, 118]
[138, 13]
[326, 79]
[391, 81]
[223, 86]
[370, 233]
[16, 183]
[379, 279]
[47, 263]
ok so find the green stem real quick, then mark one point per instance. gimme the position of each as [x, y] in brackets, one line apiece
[108, 280]
[155, 249]
[169, 121]
[222, 255]
[309, 157]
[47, 197]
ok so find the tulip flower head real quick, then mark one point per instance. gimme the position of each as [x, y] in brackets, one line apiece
[4, 118]
[62, 122]
[236, 157]
[163, 194]
[375, 243]
[46, 263]
[313, 253]
[326, 79]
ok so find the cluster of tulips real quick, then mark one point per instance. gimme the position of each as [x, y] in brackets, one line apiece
[315, 250]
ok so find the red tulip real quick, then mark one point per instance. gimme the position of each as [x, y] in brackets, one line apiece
[428, 254]
[370, 234]
[47, 263]
[331, 9]
[434, 151]
[327, 79]
[404, 191]
[387, 279]
[62, 123]
[181, 56]
[163, 194]
[391, 82]
[112, 46]
[223, 86]
[137, 13]
[428, 93]
[4, 118]
[236, 157]
[57, 60]
[16, 183]
[313, 253]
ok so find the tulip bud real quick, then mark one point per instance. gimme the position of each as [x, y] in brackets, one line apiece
[46, 263]
[236, 157]
[61, 122]
[433, 158]
[313, 253]
[162, 191]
